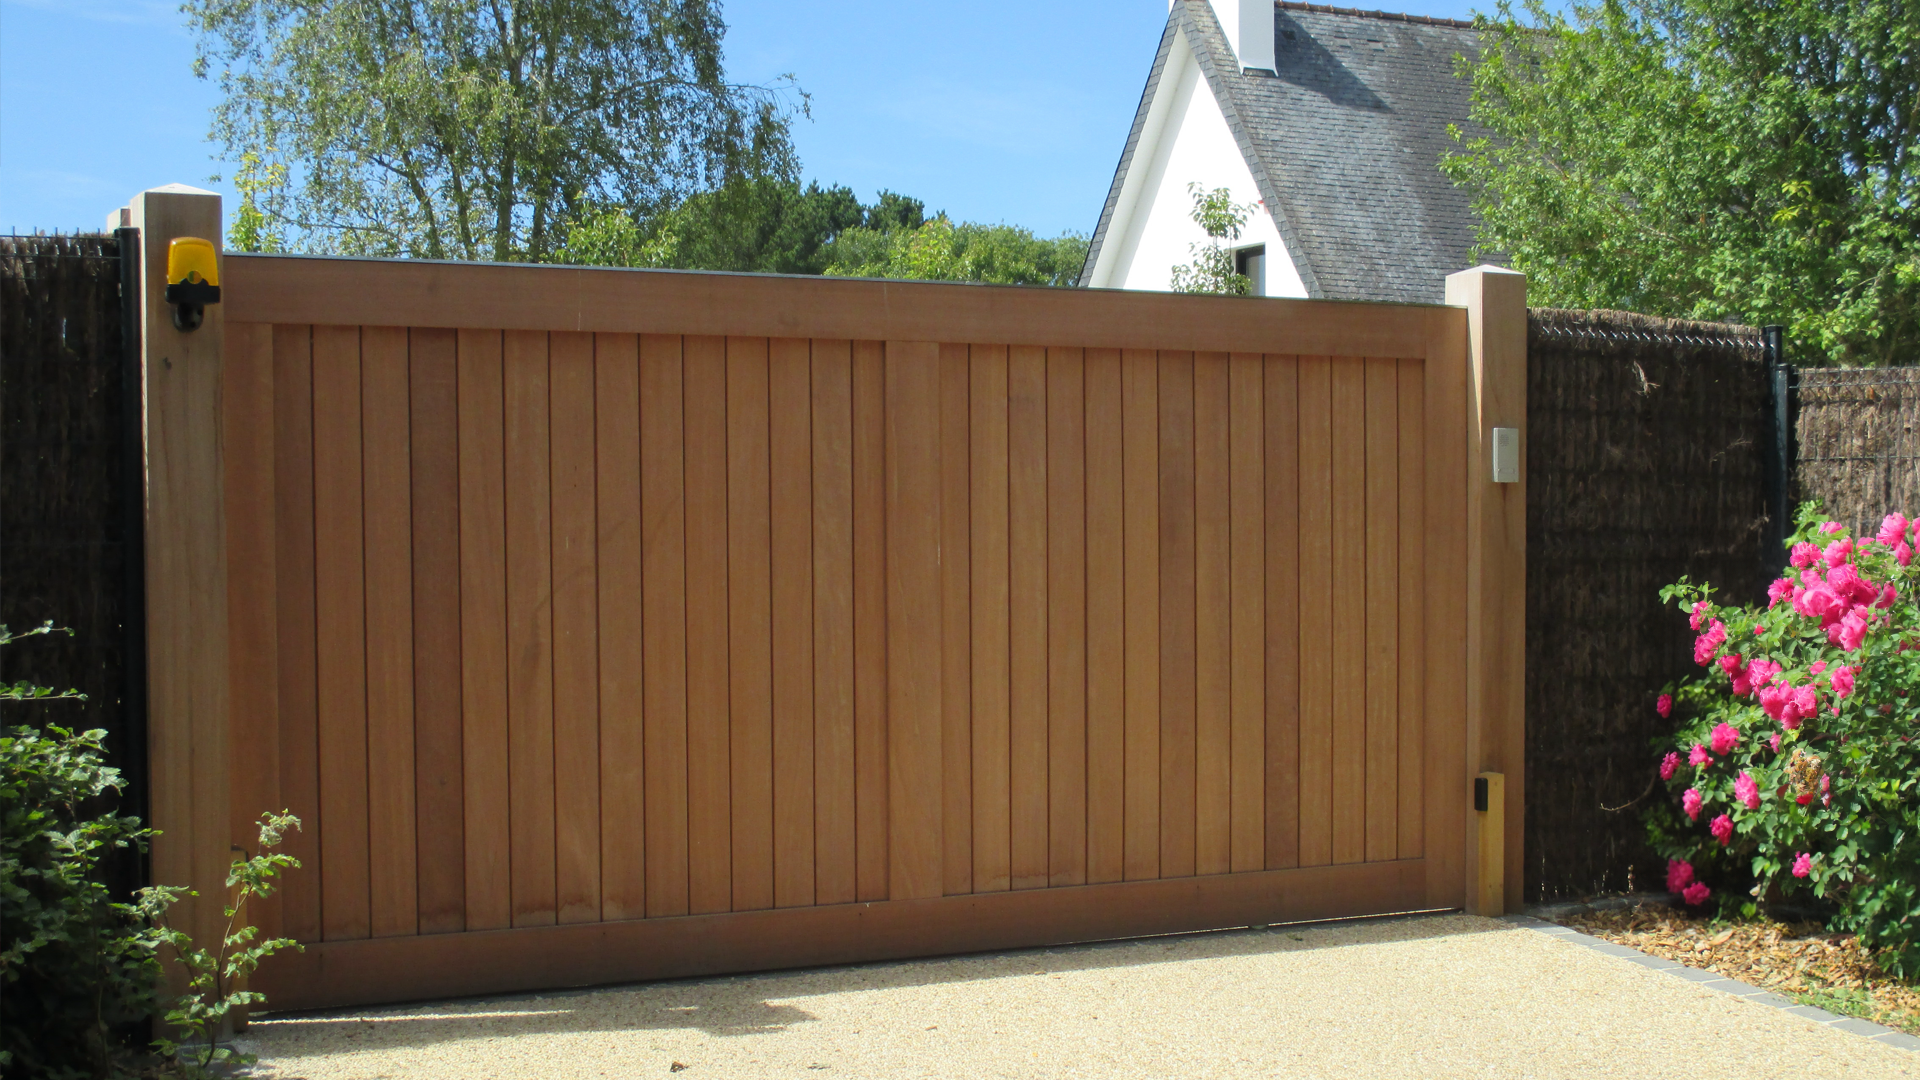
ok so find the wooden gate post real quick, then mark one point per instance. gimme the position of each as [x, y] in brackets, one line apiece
[187, 677]
[1496, 303]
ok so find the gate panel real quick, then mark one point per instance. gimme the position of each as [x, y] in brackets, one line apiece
[656, 650]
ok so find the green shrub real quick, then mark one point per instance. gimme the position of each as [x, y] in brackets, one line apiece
[80, 974]
[1794, 770]
[77, 969]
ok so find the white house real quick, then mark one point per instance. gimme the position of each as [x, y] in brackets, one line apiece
[1332, 120]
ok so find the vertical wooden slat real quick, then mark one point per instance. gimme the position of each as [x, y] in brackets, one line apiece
[387, 469]
[1106, 621]
[1177, 683]
[790, 455]
[992, 793]
[662, 472]
[870, 620]
[577, 751]
[956, 631]
[1066, 618]
[247, 464]
[1314, 604]
[1446, 779]
[1348, 566]
[913, 620]
[435, 403]
[1283, 656]
[1246, 510]
[833, 807]
[293, 558]
[709, 768]
[340, 617]
[749, 623]
[1382, 551]
[1140, 465]
[1412, 615]
[619, 546]
[483, 628]
[1213, 617]
[1027, 612]
[529, 508]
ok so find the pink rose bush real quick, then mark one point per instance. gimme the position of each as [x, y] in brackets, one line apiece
[1793, 765]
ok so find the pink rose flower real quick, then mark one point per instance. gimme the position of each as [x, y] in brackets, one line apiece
[1722, 829]
[1698, 756]
[1707, 644]
[1893, 528]
[1781, 589]
[1843, 681]
[1902, 554]
[1667, 766]
[1690, 802]
[1826, 790]
[1801, 704]
[1888, 596]
[1747, 791]
[1802, 865]
[1852, 589]
[1818, 666]
[1664, 706]
[1700, 609]
[1696, 894]
[1831, 527]
[1803, 555]
[1761, 672]
[1837, 552]
[1775, 742]
[1773, 700]
[1679, 874]
[1725, 737]
[1851, 632]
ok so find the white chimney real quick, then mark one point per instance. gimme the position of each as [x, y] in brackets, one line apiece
[1249, 28]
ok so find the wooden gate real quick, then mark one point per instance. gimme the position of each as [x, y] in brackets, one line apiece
[609, 625]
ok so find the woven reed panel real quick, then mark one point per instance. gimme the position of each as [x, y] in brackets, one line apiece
[1644, 458]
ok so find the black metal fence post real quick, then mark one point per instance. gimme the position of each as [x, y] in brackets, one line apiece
[1779, 472]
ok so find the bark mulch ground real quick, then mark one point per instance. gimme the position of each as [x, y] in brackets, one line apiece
[1801, 961]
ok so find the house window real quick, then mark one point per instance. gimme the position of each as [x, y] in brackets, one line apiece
[1252, 261]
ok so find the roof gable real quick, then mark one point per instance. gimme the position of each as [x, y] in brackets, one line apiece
[1344, 141]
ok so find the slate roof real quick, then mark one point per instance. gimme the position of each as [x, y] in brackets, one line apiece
[1344, 142]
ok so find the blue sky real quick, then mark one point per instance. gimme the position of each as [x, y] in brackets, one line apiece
[992, 112]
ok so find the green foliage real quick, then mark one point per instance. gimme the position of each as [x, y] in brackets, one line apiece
[23, 690]
[1212, 269]
[1841, 787]
[899, 242]
[768, 224]
[212, 977]
[80, 973]
[1708, 159]
[252, 230]
[75, 966]
[470, 130]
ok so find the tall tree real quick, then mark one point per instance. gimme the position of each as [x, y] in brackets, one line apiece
[477, 129]
[1710, 159]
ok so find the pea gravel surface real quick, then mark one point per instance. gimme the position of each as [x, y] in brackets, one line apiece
[1421, 996]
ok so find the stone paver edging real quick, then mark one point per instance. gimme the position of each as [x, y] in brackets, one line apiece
[1713, 980]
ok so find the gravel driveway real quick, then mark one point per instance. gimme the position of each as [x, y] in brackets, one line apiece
[1424, 996]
